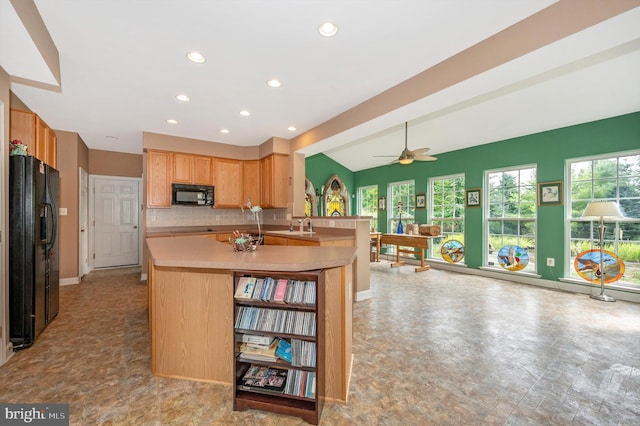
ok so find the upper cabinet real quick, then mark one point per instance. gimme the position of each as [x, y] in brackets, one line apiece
[264, 181]
[251, 181]
[159, 165]
[41, 141]
[229, 183]
[192, 169]
[273, 174]
[182, 168]
[202, 170]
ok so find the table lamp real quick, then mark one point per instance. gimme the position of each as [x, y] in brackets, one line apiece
[601, 210]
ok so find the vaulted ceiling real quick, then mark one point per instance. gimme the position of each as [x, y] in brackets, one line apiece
[461, 72]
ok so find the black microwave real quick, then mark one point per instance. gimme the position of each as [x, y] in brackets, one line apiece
[191, 195]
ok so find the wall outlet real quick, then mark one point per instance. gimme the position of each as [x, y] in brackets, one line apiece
[332, 223]
[551, 261]
[63, 211]
[217, 218]
[153, 218]
[289, 216]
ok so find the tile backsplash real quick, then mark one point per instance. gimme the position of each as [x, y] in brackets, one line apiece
[203, 216]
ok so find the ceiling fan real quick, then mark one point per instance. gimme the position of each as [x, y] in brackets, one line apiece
[408, 157]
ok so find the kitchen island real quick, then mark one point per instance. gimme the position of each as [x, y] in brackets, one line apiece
[190, 280]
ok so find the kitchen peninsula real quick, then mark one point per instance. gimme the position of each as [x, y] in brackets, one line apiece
[191, 305]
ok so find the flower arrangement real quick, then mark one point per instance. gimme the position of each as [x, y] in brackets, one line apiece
[16, 147]
[242, 242]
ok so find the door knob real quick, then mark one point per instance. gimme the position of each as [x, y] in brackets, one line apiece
[135, 226]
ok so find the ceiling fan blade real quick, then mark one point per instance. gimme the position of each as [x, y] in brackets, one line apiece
[420, 151]
[424, 158]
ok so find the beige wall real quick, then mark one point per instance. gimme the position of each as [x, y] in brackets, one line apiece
[196, 146]
[68, 231]
[109, 163]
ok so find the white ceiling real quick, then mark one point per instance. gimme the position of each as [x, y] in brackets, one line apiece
[123, 62]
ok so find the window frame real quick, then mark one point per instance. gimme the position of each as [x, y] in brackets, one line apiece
[408, 207]
[613, 229]
[374, 217]
[532, 266]
[446, 234]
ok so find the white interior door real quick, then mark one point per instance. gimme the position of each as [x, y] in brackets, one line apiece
[84, 222]
[116, 233]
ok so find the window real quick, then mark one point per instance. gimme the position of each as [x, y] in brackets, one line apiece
[401, 192]
[368, 203]
[447, 210]
[606, 179]
[511, 215]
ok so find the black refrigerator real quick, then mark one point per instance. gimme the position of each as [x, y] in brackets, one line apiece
[34, 272]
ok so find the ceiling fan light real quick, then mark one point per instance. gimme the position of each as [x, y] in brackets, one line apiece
[405, 160]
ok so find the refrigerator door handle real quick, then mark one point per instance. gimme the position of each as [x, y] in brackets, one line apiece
[50, 237]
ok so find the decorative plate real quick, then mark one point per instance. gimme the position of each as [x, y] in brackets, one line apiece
[587, 265]
[452, 251]
[513, 258]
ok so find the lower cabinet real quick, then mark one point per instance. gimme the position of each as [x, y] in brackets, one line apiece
[279, 346]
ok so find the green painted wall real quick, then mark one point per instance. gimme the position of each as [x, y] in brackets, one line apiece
[548, 151]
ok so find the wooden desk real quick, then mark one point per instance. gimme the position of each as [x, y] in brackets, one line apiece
[376, 236]
[418, 242]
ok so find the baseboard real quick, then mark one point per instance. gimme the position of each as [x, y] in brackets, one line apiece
[363, 295]
[70, 281]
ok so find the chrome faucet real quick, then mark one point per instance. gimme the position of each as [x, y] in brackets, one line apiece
[302, 222]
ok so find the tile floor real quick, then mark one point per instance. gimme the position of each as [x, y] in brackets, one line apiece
[431, 348]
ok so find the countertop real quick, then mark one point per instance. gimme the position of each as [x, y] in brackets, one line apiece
[319, 234]
[192, 251]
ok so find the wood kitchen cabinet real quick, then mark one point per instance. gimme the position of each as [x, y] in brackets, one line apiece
[202, 170]
[182, 168]
[192, 169]
[41, 141]
[159, 164]
[229, 183]
[273, 173]
[251, 181]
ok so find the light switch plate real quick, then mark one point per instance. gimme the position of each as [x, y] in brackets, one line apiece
[63, 211]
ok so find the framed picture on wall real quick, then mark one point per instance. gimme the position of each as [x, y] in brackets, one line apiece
[382, 203]
[421, 201]
[550, 193]
[472, 197]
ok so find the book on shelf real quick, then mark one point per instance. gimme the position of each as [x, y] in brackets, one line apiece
[264, 378]
[257, 291]
[276, 320]
[281, 289]
[301, 383]
[256, 352]
[244, 290]
[258, 339]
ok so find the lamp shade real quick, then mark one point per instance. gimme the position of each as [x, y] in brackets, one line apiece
[609, 210]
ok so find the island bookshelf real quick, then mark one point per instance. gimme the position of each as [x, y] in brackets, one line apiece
[297, 315]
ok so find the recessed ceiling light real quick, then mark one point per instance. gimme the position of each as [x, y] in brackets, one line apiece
[172, 121]
[245, 113]
[113, 138]
[274, 83]
[183, 98]
[196, 57]
[224, 131]
[291, 129]
[328, 29]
